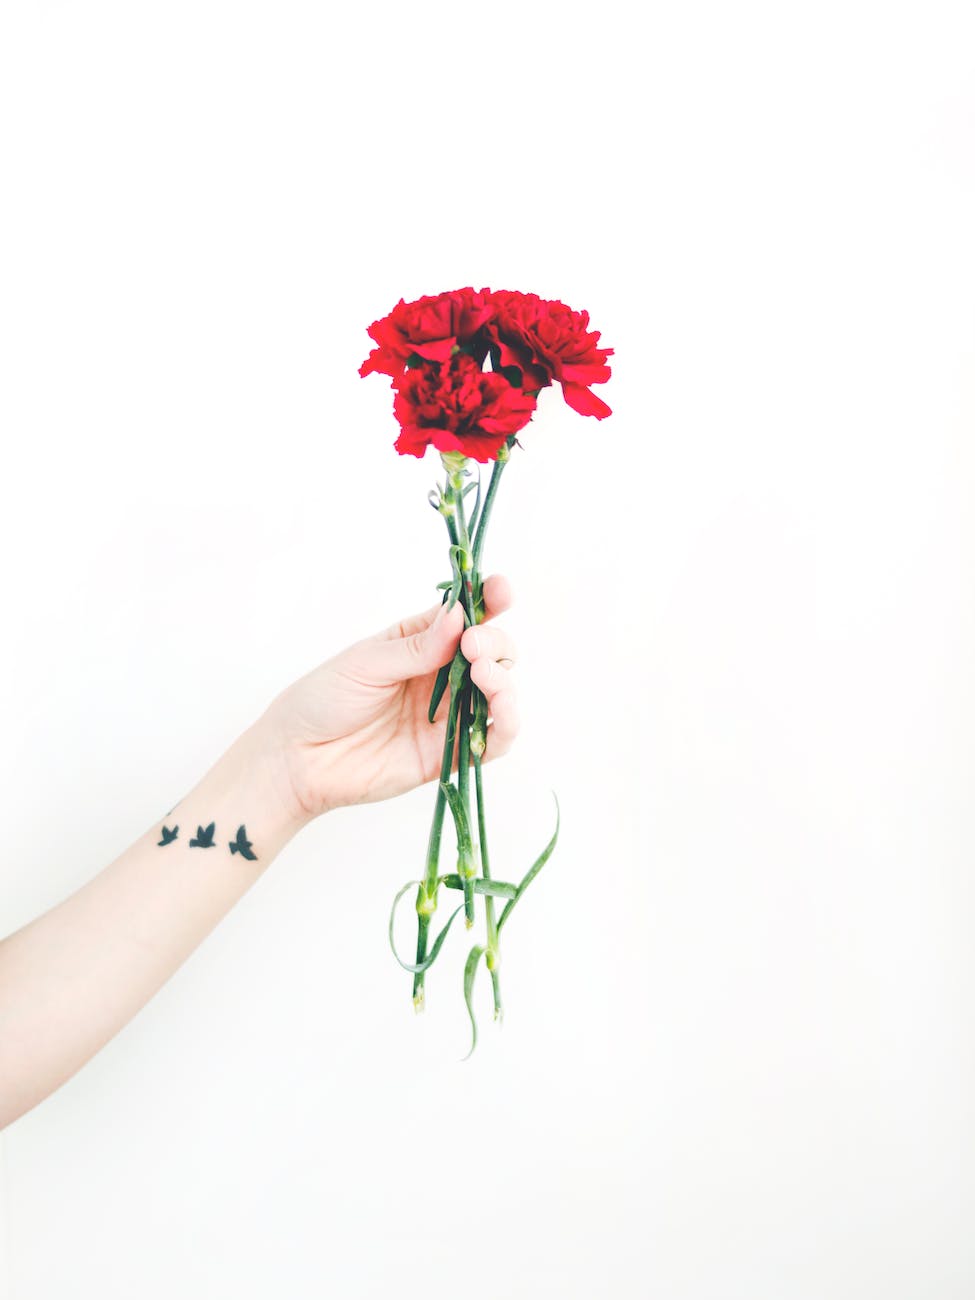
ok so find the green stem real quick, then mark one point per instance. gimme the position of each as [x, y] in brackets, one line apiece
[492, 925]
[478, 547]
[463, 539]
[428, 890]
[461, 691]
[502, 460]
[463, 787]
[422, 933]
[446, 763]
[464, 738]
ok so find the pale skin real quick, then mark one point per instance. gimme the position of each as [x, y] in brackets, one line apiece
[354, 730]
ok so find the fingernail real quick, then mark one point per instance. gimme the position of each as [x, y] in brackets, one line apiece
[476, 642]
[440, 615]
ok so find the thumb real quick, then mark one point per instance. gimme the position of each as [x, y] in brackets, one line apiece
[415, 647]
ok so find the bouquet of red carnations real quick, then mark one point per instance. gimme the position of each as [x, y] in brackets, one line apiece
[435, 351]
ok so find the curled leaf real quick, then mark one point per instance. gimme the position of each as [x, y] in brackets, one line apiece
[535, 868]
[470, 970]
[460, 559]
[438, 942]
[455, 588]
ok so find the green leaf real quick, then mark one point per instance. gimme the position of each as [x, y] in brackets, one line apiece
[475, 513]
[439, 686]
[460, 559]
[535, 868]
[496, 988]
[457, 557]
[465, 847]
[470, 970]
[458, 670]
[512, 374]
[479, 724]
[438, 943]
[496, 888]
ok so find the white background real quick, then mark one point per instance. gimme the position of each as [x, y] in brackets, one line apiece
[738, 1059]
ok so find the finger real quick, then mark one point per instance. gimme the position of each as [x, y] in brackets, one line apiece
[426, 643]
[412, 623]
[487, 642]
[498, 685]
[496, 590]
[492, 678]
[503, 724]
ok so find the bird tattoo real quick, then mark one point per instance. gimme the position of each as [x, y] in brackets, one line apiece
[168, 835]
[204, 837]
[242, 845]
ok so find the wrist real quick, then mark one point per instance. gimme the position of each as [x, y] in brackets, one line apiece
[251, 781]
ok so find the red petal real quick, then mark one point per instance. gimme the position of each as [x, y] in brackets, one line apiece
[380, 363]
[482, 446]
[585, 402]
[412, 441]
[439, 350]
[591, 372]
[510, 357]
[444, 440]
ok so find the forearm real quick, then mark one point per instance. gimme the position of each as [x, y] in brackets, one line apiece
[72, 978]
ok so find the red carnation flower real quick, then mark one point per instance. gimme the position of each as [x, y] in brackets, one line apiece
[429, 327]
[458, 407]
[512, 328]
[548, 340]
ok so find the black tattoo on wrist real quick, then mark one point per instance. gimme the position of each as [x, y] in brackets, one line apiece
[203, 839]
[242, 845]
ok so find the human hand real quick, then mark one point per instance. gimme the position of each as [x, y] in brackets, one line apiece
[355, 729]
